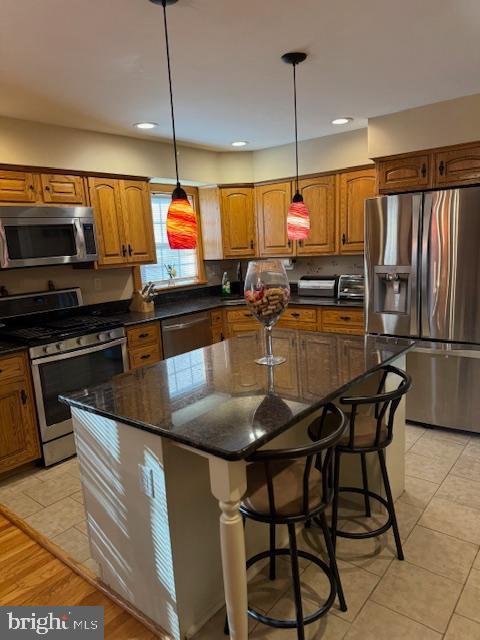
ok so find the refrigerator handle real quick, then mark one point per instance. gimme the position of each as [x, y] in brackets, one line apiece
[424, 265]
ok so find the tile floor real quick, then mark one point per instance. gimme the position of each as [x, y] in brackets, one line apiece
[433, 594]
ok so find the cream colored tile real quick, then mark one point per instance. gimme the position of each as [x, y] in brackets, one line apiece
[412, 434]
[476, 564]
[407, 517]
[82, 525]
[419, 594]
[418, 492]
[426, 468]
[213, 629]
[75, 543]
[58, 517]
[263, 593]
[453, 519]
[53, 490]
[461, 628]
[472, 449]
[440, 553]
[460, 490]
[357, 586]
[469, 603]
[438, 449]
[20, 482]
[69, 466]
[378, 623]
[92, 565]
[445, 434]
[371, 554]
[19, 503]
[78, 497]
[467, 467]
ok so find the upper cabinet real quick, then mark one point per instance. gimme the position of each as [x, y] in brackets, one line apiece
[272, 203]
[123, 221]
[17, 187]
[319, 197]
[405, 173]
[354, 188]
[62, 189]
[457, 166]
[228, 222]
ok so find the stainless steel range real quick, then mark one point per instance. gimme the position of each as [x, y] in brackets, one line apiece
[67, 353]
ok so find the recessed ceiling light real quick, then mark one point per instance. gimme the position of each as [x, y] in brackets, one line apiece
[145, 125]
[239, 143]
[342, 120]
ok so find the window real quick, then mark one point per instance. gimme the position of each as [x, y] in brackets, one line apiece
[187, 262]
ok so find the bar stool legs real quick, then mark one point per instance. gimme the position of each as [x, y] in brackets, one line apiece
[388, 492]
[368, 512]
[296, 581]
[273, 559]
[333, 561]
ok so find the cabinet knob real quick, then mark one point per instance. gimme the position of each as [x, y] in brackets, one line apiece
[251, 244]
[47, 188]
[344, 238]
[124, 250]
[145, 357]
[130, 251]
[345, 318]
[31, 187]
[143, 335]
[23, 396]
[289, 243]
[441, 167]
[296, 315]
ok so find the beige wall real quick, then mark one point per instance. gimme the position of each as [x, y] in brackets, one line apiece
[434, 125]
[320, 154]
[96, 286]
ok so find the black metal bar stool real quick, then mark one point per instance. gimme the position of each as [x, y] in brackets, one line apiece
[367, 434]
[288, 486]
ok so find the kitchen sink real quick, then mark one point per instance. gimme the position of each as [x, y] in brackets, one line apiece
[233, 302]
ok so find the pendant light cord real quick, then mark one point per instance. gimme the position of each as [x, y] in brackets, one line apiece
[296, 127]
[164, 4]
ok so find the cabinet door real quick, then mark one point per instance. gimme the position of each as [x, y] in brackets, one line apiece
[285, 378]
[319, 197]
[457, 166]
[18, 186]
[106, 201]
[404, 174]
[272, 202]
[355, 187]
[138, 221]
[60, 189]
[18, 431]
[319, 354]
[238, 222]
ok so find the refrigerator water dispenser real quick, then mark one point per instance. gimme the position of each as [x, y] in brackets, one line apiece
[392, 289]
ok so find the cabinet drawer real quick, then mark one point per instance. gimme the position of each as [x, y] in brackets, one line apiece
[293, 324]
[239, 315]
[343, 328]
[144, 334]
[342, 317]
[216, 317]
[299, 314]
[144, 355]
[239, 327]
[12, 367]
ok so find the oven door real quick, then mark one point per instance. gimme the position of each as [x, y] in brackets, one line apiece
[72, 371]
[30, 242]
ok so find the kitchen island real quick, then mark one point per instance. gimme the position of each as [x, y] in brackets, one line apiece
[161, 448]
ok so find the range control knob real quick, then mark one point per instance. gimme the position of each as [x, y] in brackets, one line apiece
[49, 348]
[102, 337]
[60, 346]
[79, 342]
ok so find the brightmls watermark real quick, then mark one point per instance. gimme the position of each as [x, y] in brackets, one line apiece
[56, 623]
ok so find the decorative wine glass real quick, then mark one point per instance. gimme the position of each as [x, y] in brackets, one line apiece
[267, 293]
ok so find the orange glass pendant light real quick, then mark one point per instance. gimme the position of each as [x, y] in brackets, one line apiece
[181, 218]
[298, 217]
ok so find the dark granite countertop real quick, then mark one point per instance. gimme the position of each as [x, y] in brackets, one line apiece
[206, 303]
[10, 347]
[217, 399]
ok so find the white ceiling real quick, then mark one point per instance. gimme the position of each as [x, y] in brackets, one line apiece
[100, 64]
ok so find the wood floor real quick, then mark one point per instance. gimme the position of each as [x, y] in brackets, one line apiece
[31, 575]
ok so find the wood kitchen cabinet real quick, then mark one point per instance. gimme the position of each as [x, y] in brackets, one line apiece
[62, 189]
[354, 188]
[18, 187]
[319, 197]
[124, 221]
[228, 222]
[320, 353]
[457, 166]
[405, 173]
[342, 320]
[144, 344]
[272, 203]
[19, 441]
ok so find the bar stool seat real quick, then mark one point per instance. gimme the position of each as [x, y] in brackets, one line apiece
[288, 477]
[365, 432]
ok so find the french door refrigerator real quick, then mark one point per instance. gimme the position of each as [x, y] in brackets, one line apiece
[422, 277]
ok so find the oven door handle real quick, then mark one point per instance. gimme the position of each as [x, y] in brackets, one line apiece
[81, 351]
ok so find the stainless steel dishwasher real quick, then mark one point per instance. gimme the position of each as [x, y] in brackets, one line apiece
[186, 333]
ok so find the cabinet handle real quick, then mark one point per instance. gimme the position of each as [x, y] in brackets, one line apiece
[47, 188]
[129, 249]
[296, 315]
[424, 170]
[300, 242]
[251, 244]
[289, 243]
[32, 187]
[247, 315]
[145, 357]
[441, 167]
[124, 250]
[344, 238]
[345, 318]
[143, 335]
[23, 396]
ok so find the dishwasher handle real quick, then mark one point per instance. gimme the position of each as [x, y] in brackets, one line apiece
[183, 325]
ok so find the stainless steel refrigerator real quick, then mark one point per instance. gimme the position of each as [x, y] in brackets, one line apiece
[422, 268]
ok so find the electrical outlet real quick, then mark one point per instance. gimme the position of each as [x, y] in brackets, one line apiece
[97, 284]
[146, 478]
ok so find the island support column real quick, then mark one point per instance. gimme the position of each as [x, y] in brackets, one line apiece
[228, 481]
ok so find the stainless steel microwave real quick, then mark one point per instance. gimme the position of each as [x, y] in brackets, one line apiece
[41, 236]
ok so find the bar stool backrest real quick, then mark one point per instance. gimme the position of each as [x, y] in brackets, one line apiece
[386, 404]
[317, 455]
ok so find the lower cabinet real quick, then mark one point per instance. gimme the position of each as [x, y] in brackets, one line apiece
[144, 344]
[216, 321]
[19, 440]
[342, 320]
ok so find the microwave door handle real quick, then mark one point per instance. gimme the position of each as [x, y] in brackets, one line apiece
[4, 247]
[79, 239]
